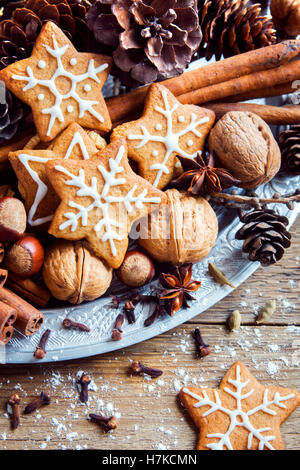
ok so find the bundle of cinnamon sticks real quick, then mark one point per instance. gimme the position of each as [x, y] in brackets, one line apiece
[266, 72]
[16, 312]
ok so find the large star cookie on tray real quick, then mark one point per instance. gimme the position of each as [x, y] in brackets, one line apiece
[166, 129]
[29, 165]
[60, 84]
[100, 200]
[242, 414]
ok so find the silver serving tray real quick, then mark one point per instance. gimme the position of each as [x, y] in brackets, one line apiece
[100, 316]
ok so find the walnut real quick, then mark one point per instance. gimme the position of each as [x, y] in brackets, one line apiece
[72, 273]
[245, 146]
[182, 231]
[286, 16]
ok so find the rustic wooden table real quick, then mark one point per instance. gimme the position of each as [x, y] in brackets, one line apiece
[150, 414]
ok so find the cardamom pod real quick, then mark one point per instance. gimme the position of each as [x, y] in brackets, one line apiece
[234, 320]
[218, 275]
[266, 312]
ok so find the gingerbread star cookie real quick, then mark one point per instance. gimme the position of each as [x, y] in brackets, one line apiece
[165, 130]
[242, 414]
[40, 198]
[60, 84]
[100, 200]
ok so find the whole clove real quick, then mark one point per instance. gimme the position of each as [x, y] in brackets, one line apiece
[158, 312]
[139, 368]
[116, 334]
[107, 424]
[13, 406]
[40, 351]
[42, 400]
[202, 348]
[68, 324]
[84, 383]
[129, 310]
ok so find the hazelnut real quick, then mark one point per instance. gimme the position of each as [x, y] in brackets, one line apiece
[183, 231]
[286, 16]
[13, 219]
[245, 146]
[136, 270]
[25, 257]
[72, 273]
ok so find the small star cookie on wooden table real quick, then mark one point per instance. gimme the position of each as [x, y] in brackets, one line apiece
[60, 84]
[100, 200]
[166, 129]
[242, 414]
[29, 165]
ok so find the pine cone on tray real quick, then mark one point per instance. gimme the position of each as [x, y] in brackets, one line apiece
[12, 112]
[289, 142]
[150, 39]
[19, 32]
[231, 27]
[265, 235]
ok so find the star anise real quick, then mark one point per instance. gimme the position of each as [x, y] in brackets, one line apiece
[200, 177]
[178, 286]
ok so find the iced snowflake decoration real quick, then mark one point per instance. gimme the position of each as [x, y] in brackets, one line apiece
[239, 417]
[171, 139]
[103, 200]
[56, 111]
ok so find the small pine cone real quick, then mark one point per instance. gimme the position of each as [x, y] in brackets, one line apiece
[232, 27]
[12, 113]
[2, 252]
[289, 142]
[19, 32]
[265, 235]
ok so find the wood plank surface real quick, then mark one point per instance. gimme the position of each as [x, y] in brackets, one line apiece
[151, 416]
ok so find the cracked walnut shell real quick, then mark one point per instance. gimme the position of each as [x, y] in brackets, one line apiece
[72, 273]
[286, 16]
[183, 231]
[245, 146]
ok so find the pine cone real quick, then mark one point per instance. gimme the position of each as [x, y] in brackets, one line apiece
[232, 27]
[265, 235]
[12, 112]
[289, 142]
[150, 39]
[18, 33]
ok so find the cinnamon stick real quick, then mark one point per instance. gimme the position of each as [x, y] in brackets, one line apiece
[29, 319]
[244, 64]
[8, 316]
[271, 114]
[28, 289]
[278, 90]
[268, 78]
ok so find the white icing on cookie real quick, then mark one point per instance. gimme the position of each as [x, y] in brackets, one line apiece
[55, 111]
[238, 417]
[77, 140]
[103, 200]
[171, 140]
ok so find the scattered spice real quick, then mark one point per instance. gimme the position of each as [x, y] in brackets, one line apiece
[178, 286]
[83, 384]
[158, 312]
[202, 348]
[14, 410]
[129, 310]
[40, 351]
[266, 312]
[42, 400]
[218, 275]
[139, 368]
[117, 331]
[68, 324]
[234, 320]
[200, 178]
[108, 424]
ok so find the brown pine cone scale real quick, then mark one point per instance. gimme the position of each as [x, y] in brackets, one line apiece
[265, 235]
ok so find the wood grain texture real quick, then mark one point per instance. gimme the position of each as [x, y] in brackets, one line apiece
[151, 416]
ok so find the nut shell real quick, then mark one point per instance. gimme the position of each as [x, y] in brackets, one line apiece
[72, 273]
[245, 146]
[183, 231]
